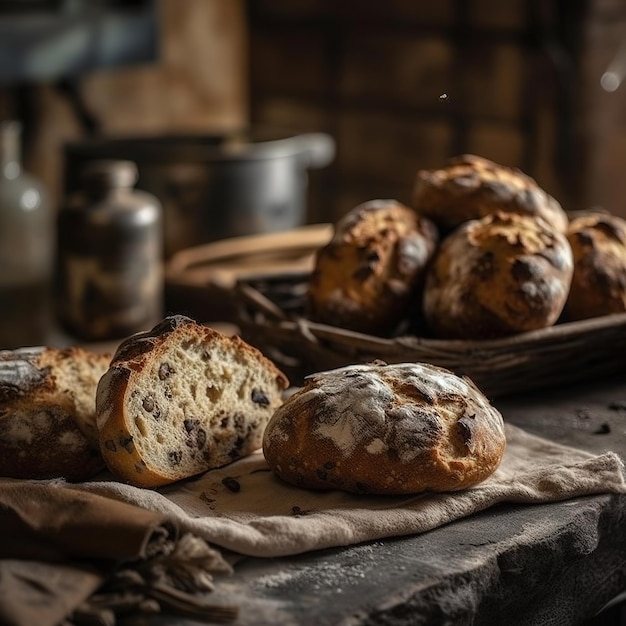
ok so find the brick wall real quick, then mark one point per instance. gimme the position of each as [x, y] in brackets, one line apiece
[402, 85]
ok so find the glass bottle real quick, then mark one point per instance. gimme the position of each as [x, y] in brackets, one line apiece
[26, 247]
[109, 270]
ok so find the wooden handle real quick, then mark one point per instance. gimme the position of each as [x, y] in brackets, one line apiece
[227, 260]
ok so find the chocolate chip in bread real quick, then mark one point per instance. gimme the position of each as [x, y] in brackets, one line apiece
[385, 429]
[183, 398]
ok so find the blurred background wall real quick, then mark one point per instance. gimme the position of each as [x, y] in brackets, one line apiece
[195, 82]
[404, 84]
[399, 84]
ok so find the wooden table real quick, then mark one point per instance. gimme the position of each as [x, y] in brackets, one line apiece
[516, 565]
[552, 564]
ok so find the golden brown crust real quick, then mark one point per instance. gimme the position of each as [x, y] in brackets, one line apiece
[598, 242]
[180, 399]
[385, 429]
[114, 436]
[470, 187]
[367, 276]
[497, 276]
[47, 413]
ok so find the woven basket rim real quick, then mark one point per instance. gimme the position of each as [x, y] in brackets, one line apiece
[557, 332]
[557, 354]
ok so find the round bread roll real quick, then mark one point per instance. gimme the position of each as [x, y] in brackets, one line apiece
[500, 275]
[385, 429]
[470, 187]
[598, 243]
[372, 269]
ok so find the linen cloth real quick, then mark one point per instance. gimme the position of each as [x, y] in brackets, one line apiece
[59, 541]
[245, 508]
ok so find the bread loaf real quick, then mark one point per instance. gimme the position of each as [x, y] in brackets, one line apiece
[181, 399]
[598, 242]
[385, 429]
[366, 278]
[470, 187]
[497, 276]
[47, 413]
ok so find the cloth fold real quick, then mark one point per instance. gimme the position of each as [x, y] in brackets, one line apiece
[73, 554]
[44, 594]
[245, 508]
[40, 516]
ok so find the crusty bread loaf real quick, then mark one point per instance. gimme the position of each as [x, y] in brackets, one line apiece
[181, 399]
[470, 187]
[47, 413]
[497, 276]
[598, 242]
[385, 429]
[366, 278]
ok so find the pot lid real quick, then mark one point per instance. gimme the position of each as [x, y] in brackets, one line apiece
[316, 149]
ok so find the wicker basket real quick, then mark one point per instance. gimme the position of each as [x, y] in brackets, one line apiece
[270, 316]
[199, 281]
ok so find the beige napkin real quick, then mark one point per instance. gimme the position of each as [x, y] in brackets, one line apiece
[245, 508]
[65, 552]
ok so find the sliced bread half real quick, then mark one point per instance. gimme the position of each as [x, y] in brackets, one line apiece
[183, 398]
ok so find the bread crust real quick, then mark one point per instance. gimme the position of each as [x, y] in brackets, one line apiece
[470, 187]
[147, 410]
[47, 413]
[385, 429]
[598, 242]
[366, 278]
[497, 276]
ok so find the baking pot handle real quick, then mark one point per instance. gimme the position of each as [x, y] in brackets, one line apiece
[317, 149]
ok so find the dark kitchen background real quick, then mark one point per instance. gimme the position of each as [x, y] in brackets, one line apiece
[397, 85]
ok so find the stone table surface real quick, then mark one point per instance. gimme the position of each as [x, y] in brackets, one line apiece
[540, 565]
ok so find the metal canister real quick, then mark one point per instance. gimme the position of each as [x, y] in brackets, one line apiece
[109, 271]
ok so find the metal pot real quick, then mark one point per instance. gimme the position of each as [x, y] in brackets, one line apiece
[217, 186]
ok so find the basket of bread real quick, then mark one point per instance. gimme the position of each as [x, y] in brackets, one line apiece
[484, 274]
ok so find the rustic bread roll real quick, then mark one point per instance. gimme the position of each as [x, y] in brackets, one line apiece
[470, 187]
[385, 429]
[367, 276]
[598, 287]
[181, 399]
[497, 276]
[47, 413]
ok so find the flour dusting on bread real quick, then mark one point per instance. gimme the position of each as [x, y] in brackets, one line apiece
[381, 428]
